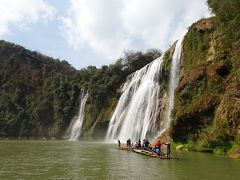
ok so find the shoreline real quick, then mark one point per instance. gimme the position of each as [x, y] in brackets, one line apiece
[232, 153]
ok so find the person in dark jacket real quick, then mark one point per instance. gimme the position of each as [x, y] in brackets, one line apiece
[119, 143]
[168, 149]
[139, 143]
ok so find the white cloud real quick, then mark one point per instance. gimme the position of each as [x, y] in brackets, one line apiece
[110, 26]
[96, 24]
[21, 13]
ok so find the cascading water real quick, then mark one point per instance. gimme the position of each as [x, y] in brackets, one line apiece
[173, 82]
[137, 109]
[77, 127]
[140, 106]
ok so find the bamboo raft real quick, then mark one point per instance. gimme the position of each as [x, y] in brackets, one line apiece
[125, 148]
[151, 154]
[146, 152]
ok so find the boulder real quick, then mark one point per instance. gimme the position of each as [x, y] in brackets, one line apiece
[179, 147]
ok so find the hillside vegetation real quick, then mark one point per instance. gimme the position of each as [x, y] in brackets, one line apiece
[207, 116]
[39, 95]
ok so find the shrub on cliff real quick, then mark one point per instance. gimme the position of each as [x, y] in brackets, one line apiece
[225, 9]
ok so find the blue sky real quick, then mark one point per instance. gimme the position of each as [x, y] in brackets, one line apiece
[96, 32]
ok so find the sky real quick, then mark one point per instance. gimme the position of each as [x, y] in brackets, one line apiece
[97, 32]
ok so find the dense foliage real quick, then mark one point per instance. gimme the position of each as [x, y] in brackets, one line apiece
[39, 95]
[228, 24]
[103, 82]
[225, 9]
[207, 104]
[103, 85]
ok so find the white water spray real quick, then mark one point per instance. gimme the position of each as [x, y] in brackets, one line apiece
[137, 110]
[77, 127]
[172, 85]
[173, 81]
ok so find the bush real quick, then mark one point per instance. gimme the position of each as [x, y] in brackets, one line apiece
[185, 94]
[219, 151]
[135, 60]
[225, 9]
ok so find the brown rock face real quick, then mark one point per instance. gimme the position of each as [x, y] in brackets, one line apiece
[207, 105]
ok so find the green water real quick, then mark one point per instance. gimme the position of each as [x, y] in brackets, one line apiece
[89, 160]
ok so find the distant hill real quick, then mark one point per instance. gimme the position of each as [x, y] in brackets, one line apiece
[39, 95]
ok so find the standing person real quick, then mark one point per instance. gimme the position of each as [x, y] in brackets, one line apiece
[168, 149]
[129, 142]
[139, 143]
[157, 150]
[159, 144]
[119, 144]
[143, 144]
[147, 143]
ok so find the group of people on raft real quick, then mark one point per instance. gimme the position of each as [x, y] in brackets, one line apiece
[147, 146]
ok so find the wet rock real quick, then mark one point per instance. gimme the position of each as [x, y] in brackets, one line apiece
[179, 147]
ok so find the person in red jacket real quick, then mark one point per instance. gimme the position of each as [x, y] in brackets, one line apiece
[158, 147]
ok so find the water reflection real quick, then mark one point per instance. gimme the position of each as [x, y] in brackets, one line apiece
[90, 160]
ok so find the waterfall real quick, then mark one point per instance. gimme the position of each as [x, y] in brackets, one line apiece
[140, 107]
[172, 85]
[77, 126]
[173, 81]
[137, 109]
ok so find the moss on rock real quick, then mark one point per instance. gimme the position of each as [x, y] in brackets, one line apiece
[207, 102]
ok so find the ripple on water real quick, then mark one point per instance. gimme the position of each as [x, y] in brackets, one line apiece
[84, 160]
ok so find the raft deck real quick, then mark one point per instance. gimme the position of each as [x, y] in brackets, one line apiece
[150, 153]
[125, 148]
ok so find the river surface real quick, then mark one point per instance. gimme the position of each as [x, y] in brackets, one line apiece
[94, 160]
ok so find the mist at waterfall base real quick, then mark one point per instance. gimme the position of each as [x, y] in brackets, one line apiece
[137, 107]
[141, 112]
[77, 126]
[138, 112]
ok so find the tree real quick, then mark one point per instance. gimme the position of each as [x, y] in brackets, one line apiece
[134, 60]
[225, 9]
